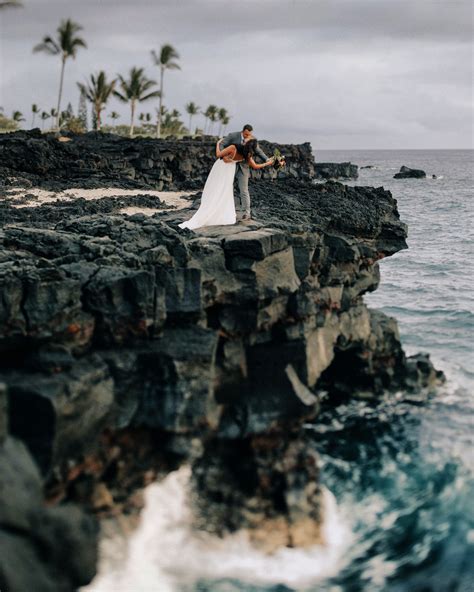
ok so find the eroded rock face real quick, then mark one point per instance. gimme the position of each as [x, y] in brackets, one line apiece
[267, 485]
[225, 337]
[98, 159]
[260, 310]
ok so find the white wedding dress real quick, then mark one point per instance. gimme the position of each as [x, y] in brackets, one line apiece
[217, 201]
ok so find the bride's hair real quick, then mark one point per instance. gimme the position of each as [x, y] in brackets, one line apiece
[248, 149]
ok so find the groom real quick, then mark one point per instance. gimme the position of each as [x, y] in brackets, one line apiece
[242, 170]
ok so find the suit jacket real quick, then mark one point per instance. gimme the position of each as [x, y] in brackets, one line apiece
[236, 138]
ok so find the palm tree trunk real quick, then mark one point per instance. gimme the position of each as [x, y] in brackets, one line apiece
[63, 64]
[33, 121]
[190, 119]
[97, 114]
[158, 125]
[132, 117]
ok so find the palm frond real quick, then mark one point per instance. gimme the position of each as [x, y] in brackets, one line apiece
[152, 95]
[48, 45]
[10, 4]
[120, 96]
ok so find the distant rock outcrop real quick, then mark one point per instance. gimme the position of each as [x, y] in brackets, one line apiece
[336, 170]
[407, 173]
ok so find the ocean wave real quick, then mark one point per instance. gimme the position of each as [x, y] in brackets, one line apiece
[165, 553]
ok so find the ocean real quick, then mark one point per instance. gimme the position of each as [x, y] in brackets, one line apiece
[399, 477]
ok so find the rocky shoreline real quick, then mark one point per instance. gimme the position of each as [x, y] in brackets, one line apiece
[130, 346]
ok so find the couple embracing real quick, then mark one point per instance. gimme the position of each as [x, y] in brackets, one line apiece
[235, 157]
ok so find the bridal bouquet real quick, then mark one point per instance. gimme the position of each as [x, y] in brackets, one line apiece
[279, 160]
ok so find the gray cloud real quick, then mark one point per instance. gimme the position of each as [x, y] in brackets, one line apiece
[343, 74]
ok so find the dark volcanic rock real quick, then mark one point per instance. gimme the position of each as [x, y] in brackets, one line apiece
[105, 160]
[277, 300]
[225, 337]
[44, 549]
[407, 173]
[267, 484]
[335, 170]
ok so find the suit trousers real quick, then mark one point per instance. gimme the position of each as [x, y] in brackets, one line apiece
[242, 176]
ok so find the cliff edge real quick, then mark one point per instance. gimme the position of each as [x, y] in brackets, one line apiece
[129, 345]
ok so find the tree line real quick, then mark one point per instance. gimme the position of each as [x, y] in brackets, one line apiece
[134, 88]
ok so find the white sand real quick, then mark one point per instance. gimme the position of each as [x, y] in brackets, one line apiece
[174, 199]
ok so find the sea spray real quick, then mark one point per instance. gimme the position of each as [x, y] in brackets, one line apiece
[166, 554]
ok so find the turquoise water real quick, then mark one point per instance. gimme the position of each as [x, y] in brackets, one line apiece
[401, 475]
[408, 477]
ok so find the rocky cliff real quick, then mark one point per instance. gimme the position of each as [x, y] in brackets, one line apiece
[129, 346]
[97, 159]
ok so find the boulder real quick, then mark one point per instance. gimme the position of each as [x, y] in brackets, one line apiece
[407, 173]
[336, 170]
[44, 549]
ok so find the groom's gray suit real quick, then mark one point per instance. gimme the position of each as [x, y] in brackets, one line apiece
[242, 172]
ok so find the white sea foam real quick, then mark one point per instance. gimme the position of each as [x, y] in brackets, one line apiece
[165, 553]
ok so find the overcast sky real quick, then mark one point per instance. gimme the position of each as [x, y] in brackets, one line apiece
[343, 74]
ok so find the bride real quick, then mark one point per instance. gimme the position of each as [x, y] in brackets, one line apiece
[217, 201]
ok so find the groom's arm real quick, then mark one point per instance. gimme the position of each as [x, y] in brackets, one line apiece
[228, 140]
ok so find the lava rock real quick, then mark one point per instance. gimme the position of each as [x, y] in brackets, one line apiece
[44, 549]
[95, 160]
[335, 170]
[407, 173]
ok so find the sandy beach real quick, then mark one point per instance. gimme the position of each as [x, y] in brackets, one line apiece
[35, 196]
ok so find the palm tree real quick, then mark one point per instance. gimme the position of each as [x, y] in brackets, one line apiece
[211, 114]
[54, 114]
[165, 61]
[10, 4]
[44, 116]
[207, 115]
[17, 116]
[114, 116]
[68, 114]
[172, 124]
[34, 110]
[225, 122]
[221, 115]
[213, 117]
[191, 109]
[98, 91]
[134, 90]
[161, 111]
[66, 45]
